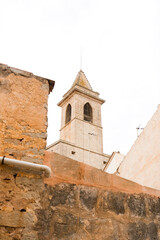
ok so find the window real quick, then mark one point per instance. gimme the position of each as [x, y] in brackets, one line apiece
[87, 112]
[68, 113]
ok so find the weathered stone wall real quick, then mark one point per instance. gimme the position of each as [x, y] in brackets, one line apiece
[23, 114]
[23, 125]
[80, 202]
[79, 212]
[20, 196]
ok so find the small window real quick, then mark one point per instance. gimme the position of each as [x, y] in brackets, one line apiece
[87, 112]
[68, 113]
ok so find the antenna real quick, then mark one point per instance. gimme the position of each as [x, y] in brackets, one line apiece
[81, 58]
[139, 128]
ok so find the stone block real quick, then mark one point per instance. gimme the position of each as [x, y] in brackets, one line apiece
[65, 225]
[11, 233]
[136, 204]
[114, 202]
[137, 231]
[153, 231]
[16, 219]
[142, 231]
[154, 207]
[96, 228]
[63, 194]
[43, 225]
[88, 197]
[29, 234]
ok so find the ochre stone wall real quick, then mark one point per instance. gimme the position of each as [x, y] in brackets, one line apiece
[20, 196]
[78, 202]
[23, 125]
[81, 202]
[23, 114]
[78, 212]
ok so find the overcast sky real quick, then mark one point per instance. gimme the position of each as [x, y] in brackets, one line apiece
[120, 41]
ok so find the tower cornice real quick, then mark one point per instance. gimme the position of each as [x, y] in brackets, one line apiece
[83, 91]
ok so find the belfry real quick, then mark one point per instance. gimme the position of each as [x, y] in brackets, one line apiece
[81, 130]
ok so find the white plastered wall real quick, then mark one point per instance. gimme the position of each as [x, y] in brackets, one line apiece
[142, 163]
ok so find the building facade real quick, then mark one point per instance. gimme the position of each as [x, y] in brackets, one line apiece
[113, 163]
[142, 162]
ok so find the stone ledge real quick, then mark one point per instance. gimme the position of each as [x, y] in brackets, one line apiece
[66, 170]
[76, 146]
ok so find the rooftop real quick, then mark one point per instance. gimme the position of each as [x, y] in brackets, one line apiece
[6, 70]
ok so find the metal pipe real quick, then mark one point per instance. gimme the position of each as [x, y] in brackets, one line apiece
[26, 165]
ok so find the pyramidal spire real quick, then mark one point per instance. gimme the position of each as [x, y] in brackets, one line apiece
[82, 81]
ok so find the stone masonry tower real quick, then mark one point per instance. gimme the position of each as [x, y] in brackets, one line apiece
[81, 128]
[81, 116]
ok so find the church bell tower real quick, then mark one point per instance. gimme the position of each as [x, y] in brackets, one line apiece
[81, 115]
[81, 127]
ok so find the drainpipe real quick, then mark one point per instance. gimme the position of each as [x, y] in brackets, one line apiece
[26, 165]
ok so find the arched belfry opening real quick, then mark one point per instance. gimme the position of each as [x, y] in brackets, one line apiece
[68, 113]
[87, 112]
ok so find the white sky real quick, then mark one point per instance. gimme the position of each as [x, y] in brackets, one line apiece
[120, 41]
